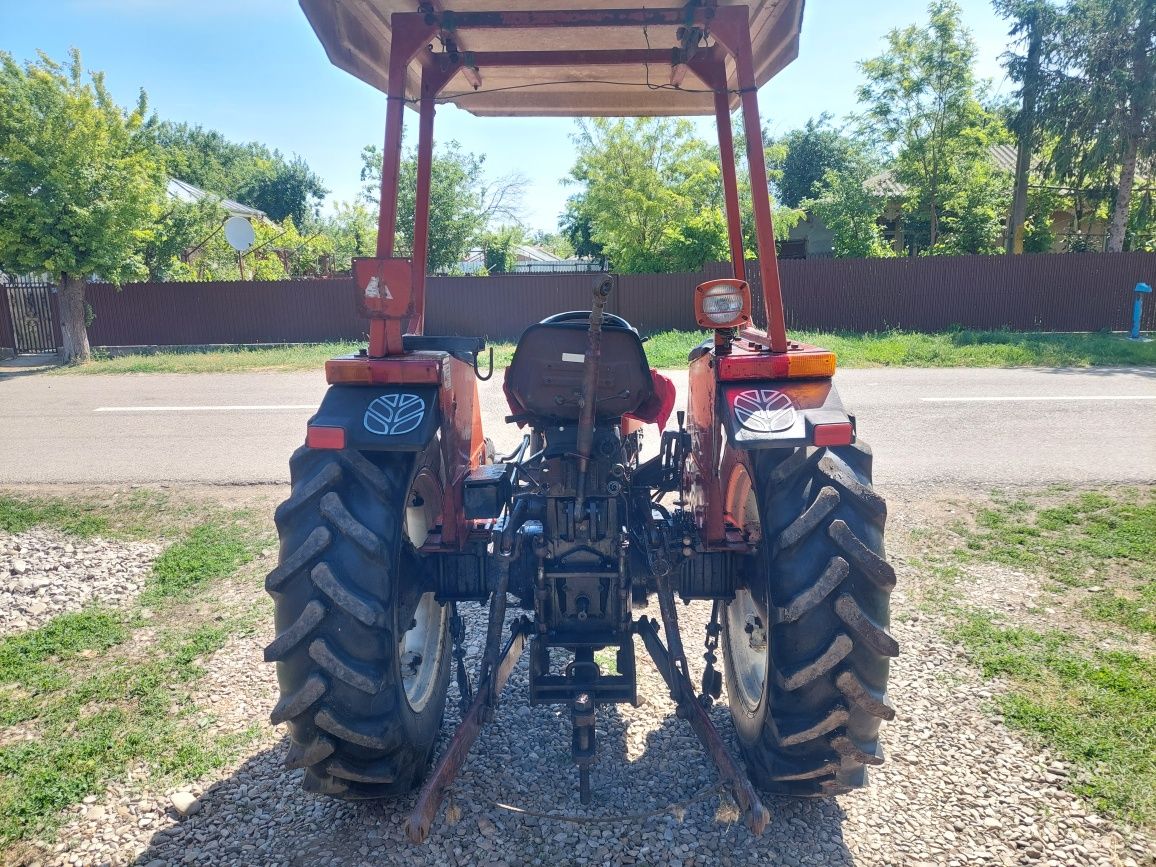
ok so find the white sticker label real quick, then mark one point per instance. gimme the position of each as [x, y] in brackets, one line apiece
[573, 357]
[376, 289]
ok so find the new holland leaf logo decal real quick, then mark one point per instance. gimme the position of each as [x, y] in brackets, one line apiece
[394, 414]
[764, 410]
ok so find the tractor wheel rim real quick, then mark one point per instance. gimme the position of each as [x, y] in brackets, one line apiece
[746, 634]
[419, 651]
[746, 617]
[420, 648]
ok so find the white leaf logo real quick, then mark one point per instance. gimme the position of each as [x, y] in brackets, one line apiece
[764, 410]
[394, 414]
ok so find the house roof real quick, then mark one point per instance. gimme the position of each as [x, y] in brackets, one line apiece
[358, 34]
[183, 191]
[1002, 156]
[523, 252]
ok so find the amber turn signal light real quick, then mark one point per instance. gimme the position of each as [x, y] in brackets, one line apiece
[723, 304]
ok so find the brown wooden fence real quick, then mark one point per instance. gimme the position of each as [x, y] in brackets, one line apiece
[1071, 292]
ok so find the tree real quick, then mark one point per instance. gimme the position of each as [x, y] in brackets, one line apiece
[463, 203]
[81, 183]
[1102, 105]
[181, 233]
[250, 172]
[353, 228]
[851, 211]
[576, 226]
[283, 189]
[1034, 25]
[808, 154]
[499, 249]
[922, 103]
[650, 187]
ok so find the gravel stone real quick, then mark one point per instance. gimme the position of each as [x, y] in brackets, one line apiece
[184, 803]
[44, 573]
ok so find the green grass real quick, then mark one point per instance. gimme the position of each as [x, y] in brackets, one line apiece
[135, 514]
[104, 720]
[669, 349]
[1094, 541]
[226, 360]
[18, 514]
[209, 551]
[1095, 709]
[81, 700]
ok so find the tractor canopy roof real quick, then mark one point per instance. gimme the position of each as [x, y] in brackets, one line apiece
[358, 37]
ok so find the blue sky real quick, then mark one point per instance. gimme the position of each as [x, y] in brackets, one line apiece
[253, 70]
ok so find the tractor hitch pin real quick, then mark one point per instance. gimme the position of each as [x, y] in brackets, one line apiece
[429, 799]
[691, 709]
[590, 392]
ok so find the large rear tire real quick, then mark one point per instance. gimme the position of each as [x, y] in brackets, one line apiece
[806, 641]
[362, 649]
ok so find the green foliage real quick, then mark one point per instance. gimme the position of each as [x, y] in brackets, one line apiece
[59, 639]
[75, 518]
[851, 211]
[922, 102]
[577, 227]
[1088, 541]
[499, 249]
[974, 211]
[457, 215]
[805, 156]
[650, 186]
[180, 236]
[352, 228]
[81, 179]
[1100, 100]
[250, 173]
[99, 719]
[1043, 202]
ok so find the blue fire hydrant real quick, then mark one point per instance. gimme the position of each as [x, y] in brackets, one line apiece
[1142, 289]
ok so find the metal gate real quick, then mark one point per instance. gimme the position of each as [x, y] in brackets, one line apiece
[31, 307]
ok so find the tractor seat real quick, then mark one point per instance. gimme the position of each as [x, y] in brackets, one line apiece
[608, 319]
[546, 376]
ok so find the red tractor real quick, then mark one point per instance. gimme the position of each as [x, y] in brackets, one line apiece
[759, 500]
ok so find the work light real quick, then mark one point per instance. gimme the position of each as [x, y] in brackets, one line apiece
[723, 304]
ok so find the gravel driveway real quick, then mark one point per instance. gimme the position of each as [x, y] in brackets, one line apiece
[958, 788]
[44, 573]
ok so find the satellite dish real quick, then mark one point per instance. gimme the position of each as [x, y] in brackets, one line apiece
[239, 233]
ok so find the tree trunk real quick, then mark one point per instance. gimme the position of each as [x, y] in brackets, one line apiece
[72, 327]
[1026, 135]
[1119, 222]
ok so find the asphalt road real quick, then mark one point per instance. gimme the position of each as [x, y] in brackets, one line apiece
[942, 426]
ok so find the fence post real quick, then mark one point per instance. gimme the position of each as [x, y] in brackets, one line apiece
[1142, 289]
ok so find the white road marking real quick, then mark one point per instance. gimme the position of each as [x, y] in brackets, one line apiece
[1040, 397]
[222, 408]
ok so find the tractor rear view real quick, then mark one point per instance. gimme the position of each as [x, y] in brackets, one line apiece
[759, 499]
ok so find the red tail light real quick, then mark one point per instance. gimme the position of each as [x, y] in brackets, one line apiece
[834, 434]
[323, 437]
